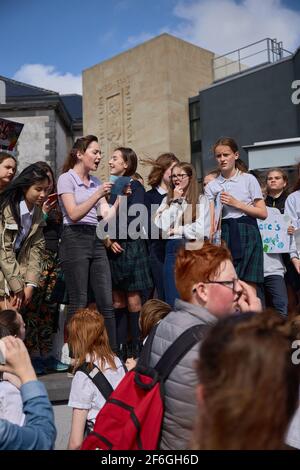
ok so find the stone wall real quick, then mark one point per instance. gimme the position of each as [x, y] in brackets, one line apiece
[33, 141]
[140, 98]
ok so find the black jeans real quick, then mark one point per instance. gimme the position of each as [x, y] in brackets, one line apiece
[86, 267]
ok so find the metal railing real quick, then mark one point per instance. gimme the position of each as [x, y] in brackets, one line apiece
[265, 51]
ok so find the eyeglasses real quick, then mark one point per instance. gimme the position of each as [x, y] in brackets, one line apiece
[233, 285]
[179, 176]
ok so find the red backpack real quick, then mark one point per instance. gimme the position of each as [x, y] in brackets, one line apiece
[131, 418]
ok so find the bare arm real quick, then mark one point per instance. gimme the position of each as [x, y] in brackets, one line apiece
[77, 211]
[257, 210]
[107, 212]
[79, 417]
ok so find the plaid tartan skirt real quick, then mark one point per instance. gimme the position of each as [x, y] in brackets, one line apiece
[130, 270]
[250, 267]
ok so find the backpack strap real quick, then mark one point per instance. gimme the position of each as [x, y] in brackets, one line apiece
[144, 358]
[98, 379]
[179, 348]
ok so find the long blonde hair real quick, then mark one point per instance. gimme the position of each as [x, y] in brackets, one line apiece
[88, 337]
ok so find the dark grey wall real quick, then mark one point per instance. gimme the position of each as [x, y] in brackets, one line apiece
[253, 107]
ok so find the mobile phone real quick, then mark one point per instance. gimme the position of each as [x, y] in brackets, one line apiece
[2, 353]
[52, 197]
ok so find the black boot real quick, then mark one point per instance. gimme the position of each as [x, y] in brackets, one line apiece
[136, 350]
[122, 352]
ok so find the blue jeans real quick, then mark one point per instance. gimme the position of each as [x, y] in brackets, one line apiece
[86, 267]
[156, 259]
[171, 292]
[276, 293]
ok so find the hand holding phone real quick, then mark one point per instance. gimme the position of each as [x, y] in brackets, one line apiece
[52, 198]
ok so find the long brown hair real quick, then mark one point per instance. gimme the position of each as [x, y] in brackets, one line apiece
[297, 184]
[88, 336]
[160, 165]
[80, 145]
[192, 193]
[230, 142]
[250, 385]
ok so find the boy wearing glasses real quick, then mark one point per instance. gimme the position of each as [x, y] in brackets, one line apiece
[209, 289]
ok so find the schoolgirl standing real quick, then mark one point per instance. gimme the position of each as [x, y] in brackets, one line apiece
[275, 287]
[183, 215]
[159, 179]
[242, 200]
[22, 241]
[292, 209]
[82, 254]
[128, 257]
[42, 312]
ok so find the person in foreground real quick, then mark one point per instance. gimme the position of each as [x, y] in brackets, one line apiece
[209, 289]
[38, 431]
[249, 384]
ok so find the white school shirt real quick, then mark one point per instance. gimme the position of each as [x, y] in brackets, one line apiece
[167, 217]
[26, 221]
[85, 395]
[241, 186]
[293, 434]
[11, 403]
[292, 209]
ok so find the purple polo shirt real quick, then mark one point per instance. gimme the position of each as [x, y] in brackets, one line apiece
[71, 183]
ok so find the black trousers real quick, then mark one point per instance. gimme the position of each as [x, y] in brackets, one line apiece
[86, 268]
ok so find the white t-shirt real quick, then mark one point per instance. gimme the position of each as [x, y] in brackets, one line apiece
[11, 404]
[242, 186]
[293, 434]
[85, 395]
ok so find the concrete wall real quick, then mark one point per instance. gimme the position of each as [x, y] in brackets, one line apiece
[63, 145]
[140, 98]
[33, 140]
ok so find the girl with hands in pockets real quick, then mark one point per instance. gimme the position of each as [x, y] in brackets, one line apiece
[242, 201]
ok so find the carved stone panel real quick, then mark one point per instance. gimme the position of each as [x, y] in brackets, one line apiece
[114, 118]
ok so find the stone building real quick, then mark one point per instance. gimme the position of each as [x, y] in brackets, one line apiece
[140, 98]
[51, 121]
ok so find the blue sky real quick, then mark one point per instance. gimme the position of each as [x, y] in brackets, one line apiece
[49, 42]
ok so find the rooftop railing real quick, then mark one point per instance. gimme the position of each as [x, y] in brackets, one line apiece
[265, 51]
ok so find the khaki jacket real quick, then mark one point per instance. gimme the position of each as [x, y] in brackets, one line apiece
[16, 272]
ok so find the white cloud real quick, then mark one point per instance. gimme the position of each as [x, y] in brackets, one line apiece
[138, 39]
[225, 25]
[46, 76]
[142, 37]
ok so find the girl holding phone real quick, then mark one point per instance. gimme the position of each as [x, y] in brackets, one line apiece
[21, 228]
[42, 312]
